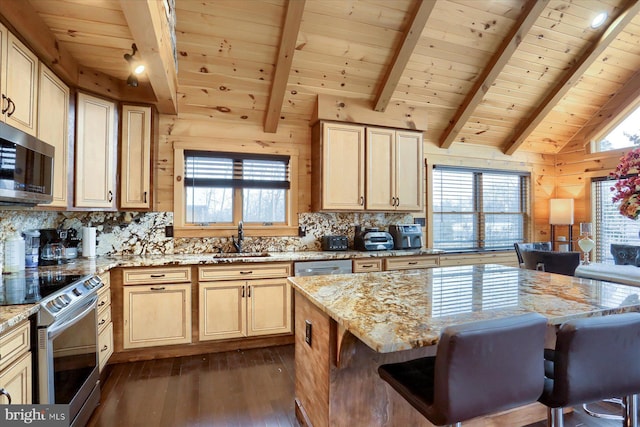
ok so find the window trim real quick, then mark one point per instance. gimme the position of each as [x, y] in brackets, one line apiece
[290, 228]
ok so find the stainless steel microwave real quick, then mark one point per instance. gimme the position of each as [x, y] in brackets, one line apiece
[26, 168]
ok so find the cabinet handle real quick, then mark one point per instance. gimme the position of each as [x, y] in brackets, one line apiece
[145, 197]
[4, 98]
[102, 322]
[102, 303]
[242, 291]
[158, 289]
[412, 262]
[11, 104]
[247, 272]
[4, 392]
[397, 201]
[110, 198]
[367, 265]
[361, 200]
[105, 348]
[157, 276]
[249, 291]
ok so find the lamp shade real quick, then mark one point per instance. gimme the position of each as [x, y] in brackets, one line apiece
[561, 212]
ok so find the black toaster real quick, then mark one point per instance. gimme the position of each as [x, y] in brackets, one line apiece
[334, 243]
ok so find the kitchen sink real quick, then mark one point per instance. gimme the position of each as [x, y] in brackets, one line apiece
[241, 255]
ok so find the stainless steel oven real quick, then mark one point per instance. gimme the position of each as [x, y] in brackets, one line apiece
[68, 349]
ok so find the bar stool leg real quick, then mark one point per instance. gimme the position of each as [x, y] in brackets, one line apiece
[555, 417]
[631, 411]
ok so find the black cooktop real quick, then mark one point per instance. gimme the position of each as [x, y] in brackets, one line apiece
[28, 287]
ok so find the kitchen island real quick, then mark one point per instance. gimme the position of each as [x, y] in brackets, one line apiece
[348, 325]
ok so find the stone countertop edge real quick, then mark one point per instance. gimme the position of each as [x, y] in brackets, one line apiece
[11, 315]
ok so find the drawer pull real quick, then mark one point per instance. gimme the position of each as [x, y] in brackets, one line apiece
[412, 262]
[105, 348]
[158, 289]
[157, 276]
[102, 303]
[367, 265]
[102, 322]
[246, 272]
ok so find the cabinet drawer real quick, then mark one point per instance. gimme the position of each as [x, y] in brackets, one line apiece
[369, 264]
[16, 380]
[105, 345]
[104, 299]
[244, 271]
[14, 343]
[106, 279]
[156, 275]
[104, 319]
[405, 263]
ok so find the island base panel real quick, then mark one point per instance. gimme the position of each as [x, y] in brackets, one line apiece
[337, 382]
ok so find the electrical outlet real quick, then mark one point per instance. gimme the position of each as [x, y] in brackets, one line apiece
[302, 231]
[168, 231]
[420, 221]
[307, 332]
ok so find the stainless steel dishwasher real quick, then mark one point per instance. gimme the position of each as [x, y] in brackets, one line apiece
[317, 268]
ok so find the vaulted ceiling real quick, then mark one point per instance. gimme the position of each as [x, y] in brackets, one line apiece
[511, 74]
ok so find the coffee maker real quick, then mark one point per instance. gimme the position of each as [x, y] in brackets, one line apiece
[58, 246]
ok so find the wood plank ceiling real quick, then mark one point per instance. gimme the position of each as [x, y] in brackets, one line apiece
[511, 74]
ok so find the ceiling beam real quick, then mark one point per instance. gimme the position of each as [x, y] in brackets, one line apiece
[24, 21]
[290, 30]
[573, 76]
[530, 13]
[398, 64]
[150, 30]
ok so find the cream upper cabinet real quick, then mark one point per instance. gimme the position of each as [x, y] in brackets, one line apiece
[95, 152]
[135, 159]
[18, 83]
[53, 128]
[338, 172]
[394, 170]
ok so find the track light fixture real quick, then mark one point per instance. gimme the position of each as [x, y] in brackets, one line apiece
[135, 66]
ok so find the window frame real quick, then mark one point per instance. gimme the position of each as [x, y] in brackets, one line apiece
[480, 216]
[182, 229]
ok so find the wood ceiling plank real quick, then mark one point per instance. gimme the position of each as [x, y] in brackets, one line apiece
[402, 55]
[150, 32]
[564, 84]
[530, 14]
[291, 27]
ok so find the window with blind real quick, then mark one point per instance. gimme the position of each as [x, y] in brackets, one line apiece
[476, 209]
[224, 188]
[610, 226]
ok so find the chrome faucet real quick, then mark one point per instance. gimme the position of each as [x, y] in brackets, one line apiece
[238, 244]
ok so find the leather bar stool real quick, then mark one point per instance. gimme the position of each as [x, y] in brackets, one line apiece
[479, 368]
[594, 359]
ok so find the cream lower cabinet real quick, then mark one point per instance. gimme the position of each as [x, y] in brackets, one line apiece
[105, 326]
[230, 308]
[159, 312]
[15, 366]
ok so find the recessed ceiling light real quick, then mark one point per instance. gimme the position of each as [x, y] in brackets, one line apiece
[599, 19]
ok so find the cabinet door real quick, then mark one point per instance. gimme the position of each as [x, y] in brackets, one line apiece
[380, 169]
[269, 309]
[105, 346]
[95, 171]
[222, 310]
[16, 380]
[156, 315]
[409, 171]
[53, 128]
[342, 167]
[22, 83]
[135, 161]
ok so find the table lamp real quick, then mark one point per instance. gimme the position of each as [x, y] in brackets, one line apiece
[561, 213]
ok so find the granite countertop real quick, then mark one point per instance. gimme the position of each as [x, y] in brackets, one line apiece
[11, 315]
[393, 311]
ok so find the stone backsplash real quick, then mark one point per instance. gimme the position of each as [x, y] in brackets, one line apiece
[143, 233]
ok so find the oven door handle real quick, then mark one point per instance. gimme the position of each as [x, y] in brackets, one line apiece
[56, 329]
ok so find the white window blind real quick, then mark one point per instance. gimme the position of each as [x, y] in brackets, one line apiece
[479, 209]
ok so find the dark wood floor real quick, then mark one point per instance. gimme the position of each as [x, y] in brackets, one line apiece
[248, 388]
